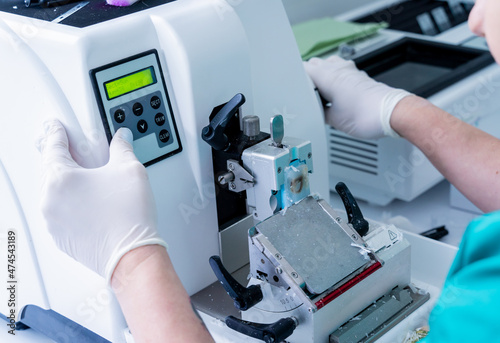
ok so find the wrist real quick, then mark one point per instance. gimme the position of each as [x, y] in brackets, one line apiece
[132, 262]
[148, 237]
[388, 106]
[406, 112]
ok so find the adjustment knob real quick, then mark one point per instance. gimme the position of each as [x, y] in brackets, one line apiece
[251, 126]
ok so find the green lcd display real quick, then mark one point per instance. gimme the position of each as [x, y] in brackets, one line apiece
[129, 83]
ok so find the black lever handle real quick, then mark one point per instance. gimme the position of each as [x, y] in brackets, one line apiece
[213, 133]
[269, 333]
[244, 298]
[353, 212]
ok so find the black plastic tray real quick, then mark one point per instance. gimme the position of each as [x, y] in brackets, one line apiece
[422, 67]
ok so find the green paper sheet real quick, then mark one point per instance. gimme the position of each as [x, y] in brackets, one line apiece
[316, 37]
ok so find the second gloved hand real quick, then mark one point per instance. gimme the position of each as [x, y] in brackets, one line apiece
[96, 215]
[361, 106]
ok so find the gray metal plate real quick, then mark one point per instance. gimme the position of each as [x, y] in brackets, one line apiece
[313, 244]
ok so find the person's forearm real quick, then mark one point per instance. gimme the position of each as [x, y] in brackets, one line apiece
[468, 157]
[147, 288]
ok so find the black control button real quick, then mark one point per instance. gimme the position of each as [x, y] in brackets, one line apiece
[164, 136]
[137, 109]
[160, 119]
[155, 102]
[119, 116]
[142, 126]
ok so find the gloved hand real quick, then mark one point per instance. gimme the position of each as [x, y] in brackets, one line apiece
[361, 106]
[96, 215]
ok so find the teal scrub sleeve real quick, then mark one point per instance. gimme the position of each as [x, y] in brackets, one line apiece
[468, 309]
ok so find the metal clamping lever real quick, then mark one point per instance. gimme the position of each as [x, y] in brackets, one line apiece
[277, 130]
[269, 333]
[213, 133]
[353, 212]
[244, 298]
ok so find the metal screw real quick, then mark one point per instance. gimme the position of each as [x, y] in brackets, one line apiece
[231, 166]
[279, 270]
[295, 275]
[354, 237]
[338, 219]
[232, 185]
[278, 256]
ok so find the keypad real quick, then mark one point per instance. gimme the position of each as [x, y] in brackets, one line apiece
[144, 116]
[142, 105]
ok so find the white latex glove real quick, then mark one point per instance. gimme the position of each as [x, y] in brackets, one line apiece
[361, 106]
[96, 215]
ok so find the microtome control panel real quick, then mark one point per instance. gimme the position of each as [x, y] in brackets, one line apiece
[132, 93]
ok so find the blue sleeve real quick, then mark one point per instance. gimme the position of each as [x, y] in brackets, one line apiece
[468, 309]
